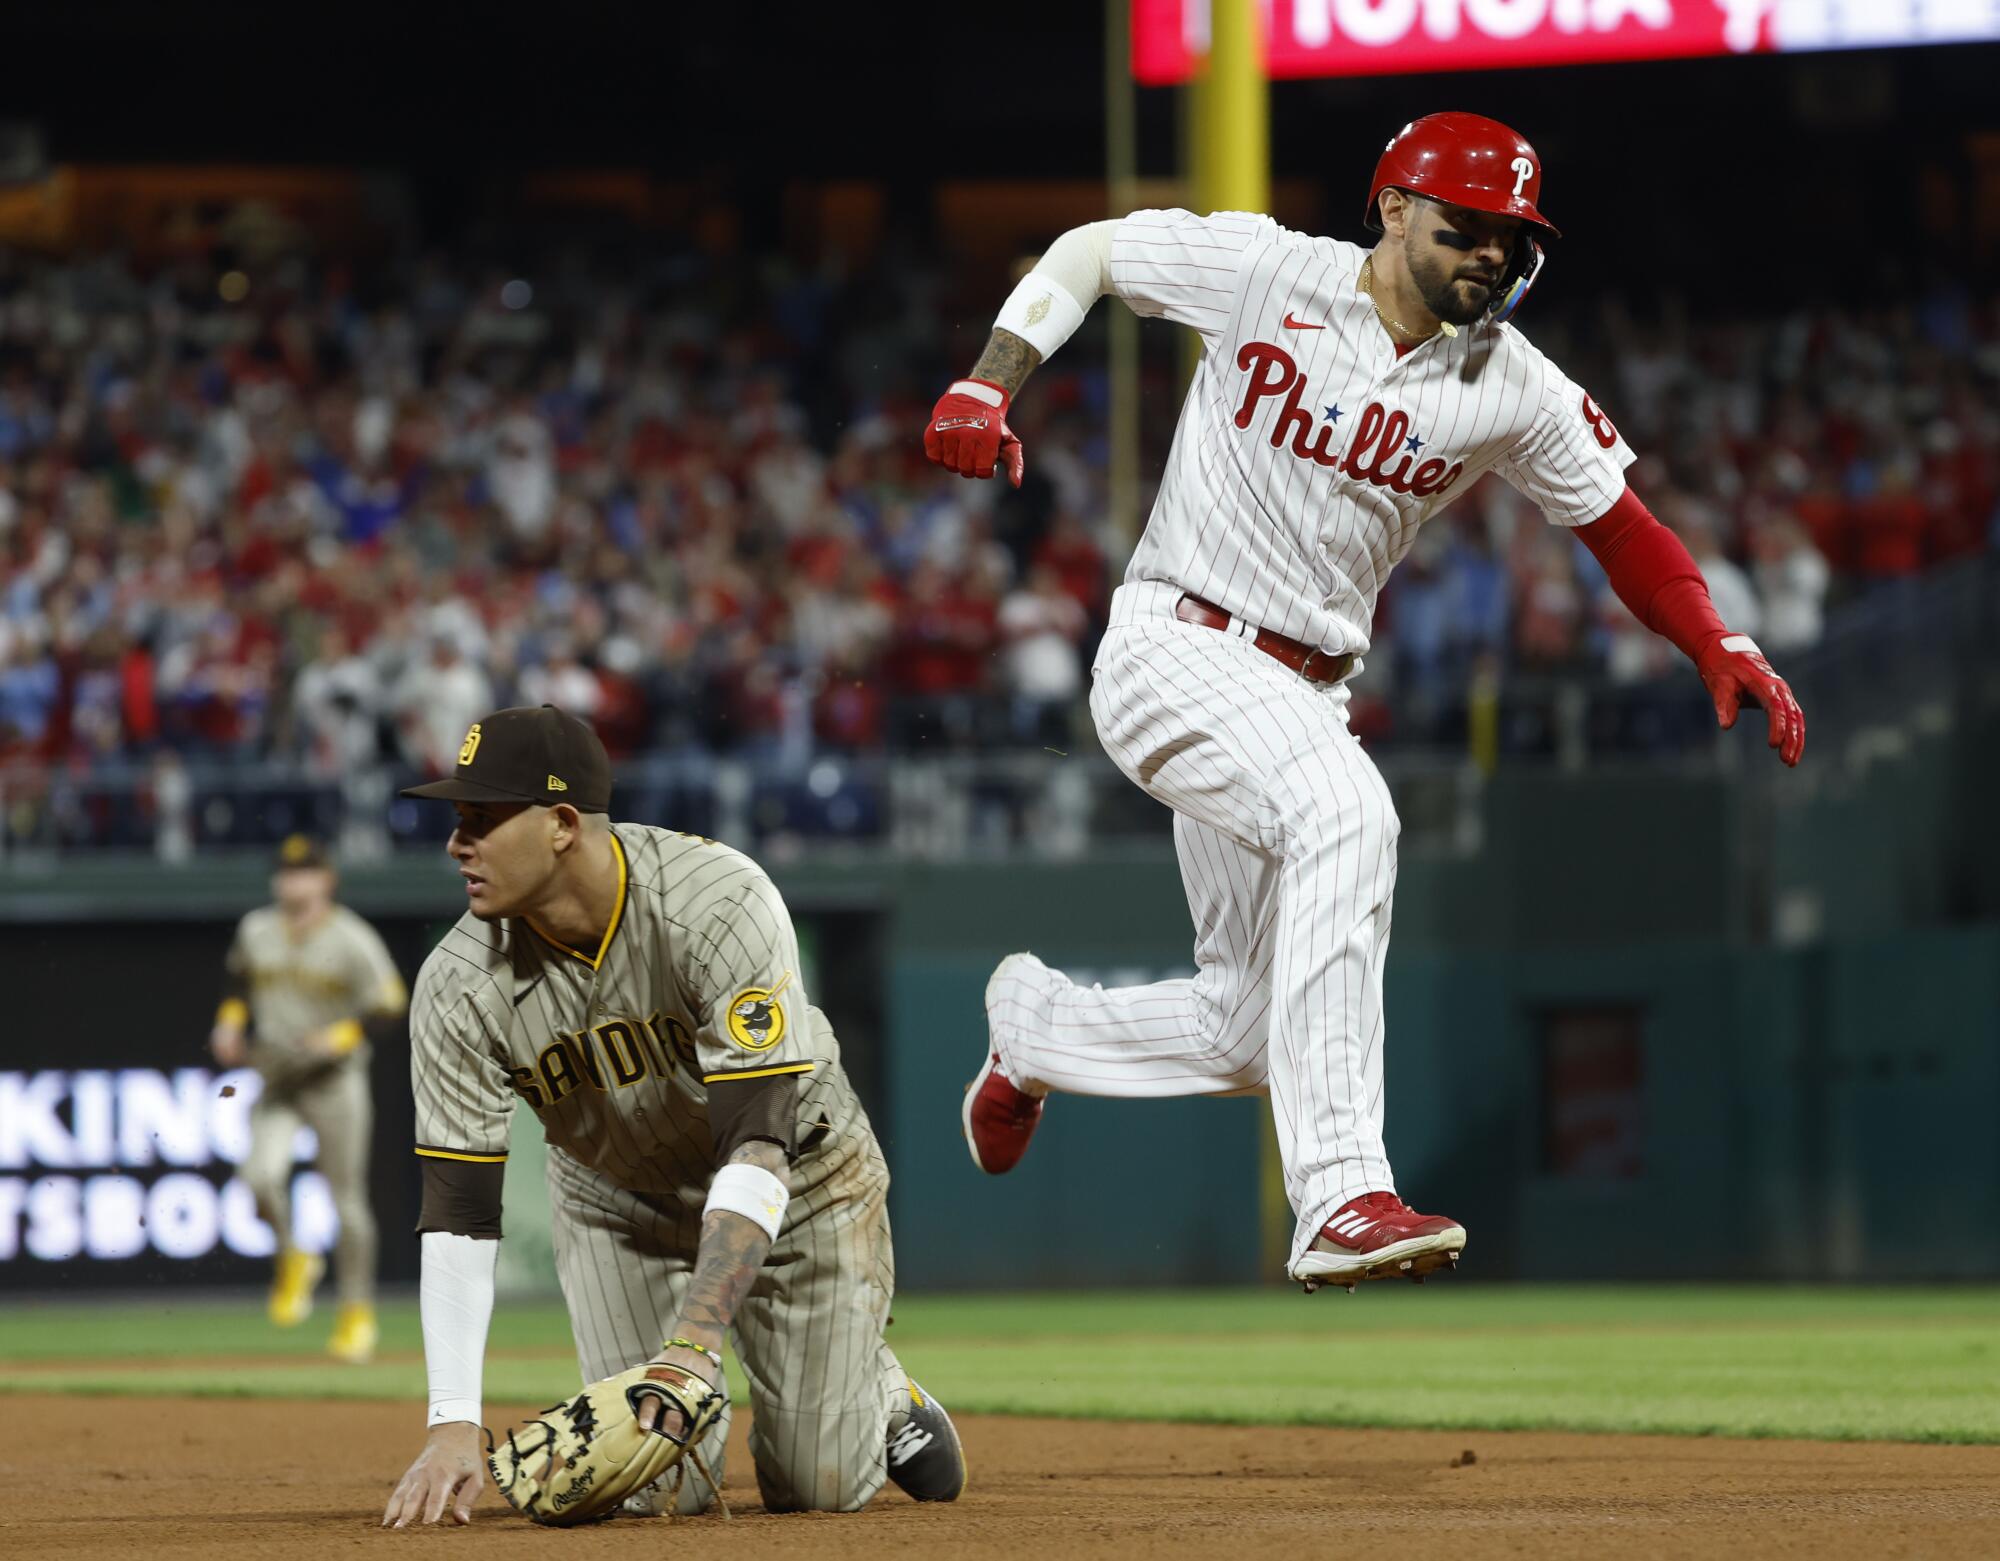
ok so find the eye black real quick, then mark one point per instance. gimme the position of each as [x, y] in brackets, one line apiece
[1452, 239]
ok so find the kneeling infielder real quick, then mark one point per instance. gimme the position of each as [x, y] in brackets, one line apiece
[710, 1170]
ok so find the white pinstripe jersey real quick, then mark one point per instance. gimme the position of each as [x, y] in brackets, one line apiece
[695, 987]
[1307, 452]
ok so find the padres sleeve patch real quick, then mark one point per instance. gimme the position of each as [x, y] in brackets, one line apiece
[757, 1018]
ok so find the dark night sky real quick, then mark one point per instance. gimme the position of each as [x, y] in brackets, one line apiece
[793, 87]
[1808, 151]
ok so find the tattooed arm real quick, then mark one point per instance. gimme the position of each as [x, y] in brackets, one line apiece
[732, 1250]
[1006, 362]
[968, 431]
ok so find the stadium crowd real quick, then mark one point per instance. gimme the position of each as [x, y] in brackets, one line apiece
[331, 514]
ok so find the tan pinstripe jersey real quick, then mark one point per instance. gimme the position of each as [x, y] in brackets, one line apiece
[339, 970]
[696, 987]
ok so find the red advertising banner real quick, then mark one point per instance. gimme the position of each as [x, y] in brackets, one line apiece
[1384, 37]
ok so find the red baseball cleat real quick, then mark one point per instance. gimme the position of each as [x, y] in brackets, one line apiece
[999, 1119]
[1378, 1236]
[999, 1115]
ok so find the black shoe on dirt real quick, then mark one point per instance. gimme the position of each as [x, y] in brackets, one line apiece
[925, 1459]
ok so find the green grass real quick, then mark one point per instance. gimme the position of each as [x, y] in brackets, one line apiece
[1892, 1364]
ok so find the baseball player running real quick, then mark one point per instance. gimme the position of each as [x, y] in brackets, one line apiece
[711, 1171]
[1344, 396]
[307, 988]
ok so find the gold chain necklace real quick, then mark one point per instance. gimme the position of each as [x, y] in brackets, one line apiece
[1395, 326]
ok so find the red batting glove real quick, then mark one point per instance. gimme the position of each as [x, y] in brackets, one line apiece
[1732, 667]
[968, 432]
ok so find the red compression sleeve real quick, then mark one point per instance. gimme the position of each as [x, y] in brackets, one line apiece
[1654, 575]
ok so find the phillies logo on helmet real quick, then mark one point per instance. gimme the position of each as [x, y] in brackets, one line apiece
[1384, 450]
[1464, 160]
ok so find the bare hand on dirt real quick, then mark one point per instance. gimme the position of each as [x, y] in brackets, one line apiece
[448, 1475]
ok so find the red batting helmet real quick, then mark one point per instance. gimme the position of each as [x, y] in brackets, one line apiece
[1464, 160]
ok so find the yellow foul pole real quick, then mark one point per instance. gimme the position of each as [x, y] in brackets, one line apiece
[1226, 121]
[1235, 117]
[1226, 145]
[1121, 177]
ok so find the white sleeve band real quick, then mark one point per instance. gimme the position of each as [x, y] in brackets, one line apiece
[1051, 300]
[455, 1298]
[751, 1191]
[1041, 312]
[979, 390]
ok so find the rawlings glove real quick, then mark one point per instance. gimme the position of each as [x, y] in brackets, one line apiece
[1732, 667]
[577, 1462]
[968, 432]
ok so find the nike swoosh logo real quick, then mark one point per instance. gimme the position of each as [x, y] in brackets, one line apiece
[521, 996]
[1300, 325]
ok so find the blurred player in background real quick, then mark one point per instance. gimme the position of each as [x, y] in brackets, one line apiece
[1344, 396]
[308, 987]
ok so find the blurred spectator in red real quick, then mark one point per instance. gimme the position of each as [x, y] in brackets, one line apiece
[620, 717]
[1888, 528]
[1077, 561]
[944, 631]
[139, 710]
[1548, 602]
[849, 713]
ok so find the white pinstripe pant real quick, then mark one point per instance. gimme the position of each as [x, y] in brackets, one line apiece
[1286, 836]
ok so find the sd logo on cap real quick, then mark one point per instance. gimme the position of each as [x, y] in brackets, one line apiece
[535, 754]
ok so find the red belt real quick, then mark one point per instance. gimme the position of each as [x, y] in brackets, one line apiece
[1309, 661]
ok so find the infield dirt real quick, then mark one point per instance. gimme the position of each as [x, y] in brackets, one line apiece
[228, 1480]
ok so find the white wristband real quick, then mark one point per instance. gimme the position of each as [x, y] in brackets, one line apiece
[751, 1191]
[1041, 312]
[979, 390]
[455, 1298]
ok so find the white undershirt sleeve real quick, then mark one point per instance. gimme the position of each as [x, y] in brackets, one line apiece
[455, 1298]
[1051, 300]
[1081, 261]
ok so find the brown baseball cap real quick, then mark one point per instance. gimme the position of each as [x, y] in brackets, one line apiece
[530, 753]
[302, 851]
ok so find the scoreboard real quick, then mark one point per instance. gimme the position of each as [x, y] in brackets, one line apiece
[1381, 37]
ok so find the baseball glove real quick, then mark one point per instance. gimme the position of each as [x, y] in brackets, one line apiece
[578, 1461]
